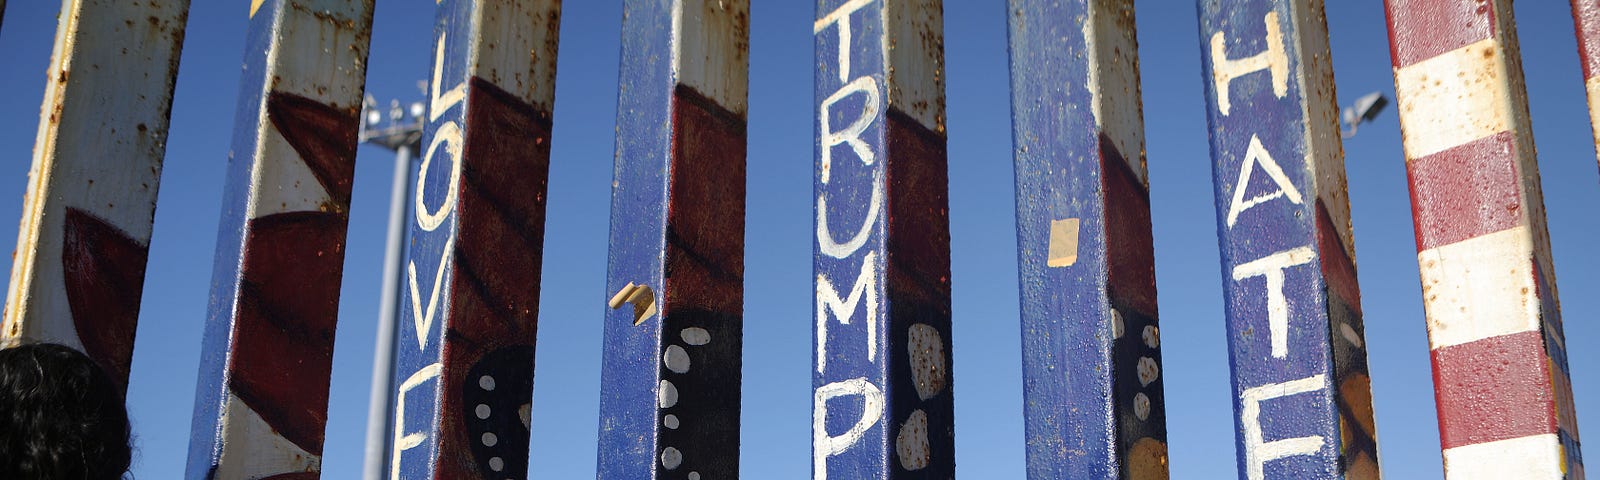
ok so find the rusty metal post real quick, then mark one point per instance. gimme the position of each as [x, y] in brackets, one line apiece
[85, 236]
[261, 402]
[464, 368]
[1302, 396]
[1586, 16]
[882, 404]
[670, 377]
[1488, 282]
[1091, 342]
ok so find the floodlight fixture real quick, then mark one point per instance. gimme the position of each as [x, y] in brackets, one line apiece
[1364, 110]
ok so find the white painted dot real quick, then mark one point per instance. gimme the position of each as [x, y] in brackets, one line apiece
[670, 421]
[694, 475]
[486, 382]
[671, 458]
[1116, 324]
[1351, 336]
[695, 336]
[1152, 336]
[911, 445]
[489, 440]
[1141, 406]
[676, 359]
[483, 411]
[926, 350]
[1149, 371]
[667, 394]
[497, 464]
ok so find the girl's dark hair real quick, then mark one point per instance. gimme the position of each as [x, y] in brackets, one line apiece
[61, 416]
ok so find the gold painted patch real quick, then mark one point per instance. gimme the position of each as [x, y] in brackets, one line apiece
[254, 6]
[1356, 391]
[1063, 243]
[1147, 460]
[642, 298]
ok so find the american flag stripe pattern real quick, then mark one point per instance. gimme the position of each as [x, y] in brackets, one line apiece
[1494, 325]
[1586, 17]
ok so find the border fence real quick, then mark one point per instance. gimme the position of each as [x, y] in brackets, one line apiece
[882, 401]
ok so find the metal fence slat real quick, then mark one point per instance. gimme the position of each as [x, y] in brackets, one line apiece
[78, 274]
[670, 372]
[1091, 340]
[882, 401]
[470, 303]
[1501, 379]
[1302, 395]
[261, 401]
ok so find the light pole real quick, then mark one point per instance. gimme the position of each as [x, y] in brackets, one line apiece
[403, 135]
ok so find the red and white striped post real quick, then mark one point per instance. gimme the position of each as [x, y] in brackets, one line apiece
[1586, 16]
[261, 402]
[79, 266]
[1494, 325]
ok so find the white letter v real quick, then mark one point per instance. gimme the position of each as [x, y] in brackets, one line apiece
[424, 320]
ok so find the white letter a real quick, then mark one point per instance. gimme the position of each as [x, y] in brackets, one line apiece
[1259, 154]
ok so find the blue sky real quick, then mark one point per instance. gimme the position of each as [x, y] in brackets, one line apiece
[778, 303]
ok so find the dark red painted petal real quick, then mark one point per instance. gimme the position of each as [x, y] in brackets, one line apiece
[104, 271]
[288, 309]
[324, 137]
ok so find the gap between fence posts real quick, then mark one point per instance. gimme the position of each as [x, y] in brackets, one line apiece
[380, 406]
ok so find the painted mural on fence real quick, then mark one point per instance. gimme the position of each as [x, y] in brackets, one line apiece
[78, 271]
[882, 404]
[464, 360]
[1091, 342]
[1302, 395]
[262, 395]
[1501, 377]
[670, 376]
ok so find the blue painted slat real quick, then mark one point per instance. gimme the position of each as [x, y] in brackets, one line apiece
[464, 365]
[1091, 343]
[1294, 318]
[267, 355]
[670, 376]
[882, 404]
